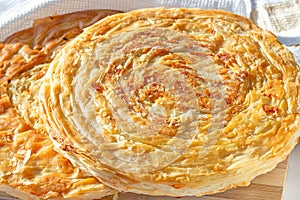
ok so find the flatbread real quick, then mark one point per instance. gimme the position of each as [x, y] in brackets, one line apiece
[30, 167]
[176, 102]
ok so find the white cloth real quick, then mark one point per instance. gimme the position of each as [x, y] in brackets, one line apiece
[282, 17]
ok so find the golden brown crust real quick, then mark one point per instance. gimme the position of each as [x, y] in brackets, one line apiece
[174, 101]
[43, 40]
[30, 168]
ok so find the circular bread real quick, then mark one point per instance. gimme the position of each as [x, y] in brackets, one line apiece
[176, 102]
[30, 167]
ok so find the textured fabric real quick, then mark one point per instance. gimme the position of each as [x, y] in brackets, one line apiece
[282, 17]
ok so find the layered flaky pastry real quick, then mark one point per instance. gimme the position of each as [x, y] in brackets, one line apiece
[30, 168]
[175, 102]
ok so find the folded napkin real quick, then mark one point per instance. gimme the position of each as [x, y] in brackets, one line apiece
[282, 17]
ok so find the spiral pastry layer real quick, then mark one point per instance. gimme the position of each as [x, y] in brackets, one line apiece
[175, 102]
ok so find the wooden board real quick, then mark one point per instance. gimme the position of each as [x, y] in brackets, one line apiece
[265, 187]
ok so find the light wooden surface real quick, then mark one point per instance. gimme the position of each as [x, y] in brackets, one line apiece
[265, 187]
